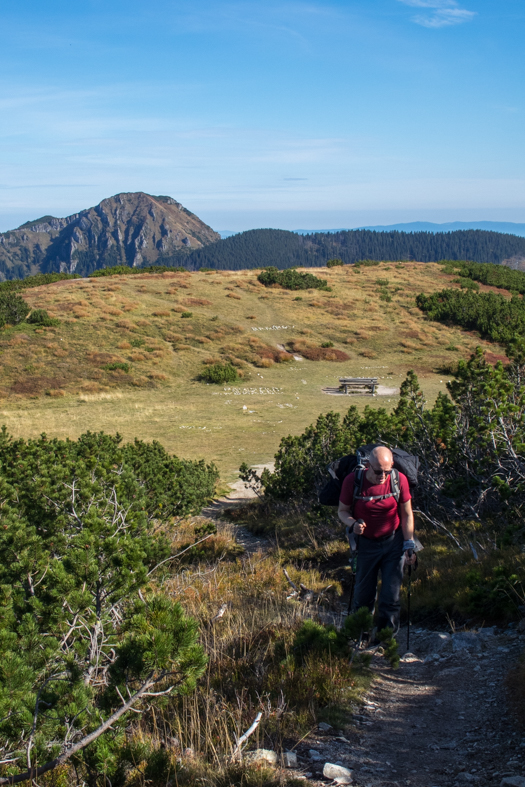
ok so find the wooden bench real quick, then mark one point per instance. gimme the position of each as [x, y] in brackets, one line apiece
[354, 385]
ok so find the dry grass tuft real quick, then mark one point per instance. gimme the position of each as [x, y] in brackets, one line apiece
[234, 296]
[124, 324]
[137, 357]
[124, 346]
[157, 376]
[56, 392]
[161, 313]
[113, 311]
[60, 353]
[173, 337]
[350, 340]
[196, 302]
[203, 340]
[368, 354]
[143, 323]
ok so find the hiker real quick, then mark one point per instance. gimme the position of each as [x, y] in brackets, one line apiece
[385, 536]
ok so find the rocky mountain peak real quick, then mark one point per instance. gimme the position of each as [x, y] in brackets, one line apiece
[127, 229]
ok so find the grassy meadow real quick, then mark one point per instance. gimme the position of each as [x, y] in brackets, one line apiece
[126, 356]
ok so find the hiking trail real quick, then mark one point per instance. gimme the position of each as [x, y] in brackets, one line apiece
[440, 720]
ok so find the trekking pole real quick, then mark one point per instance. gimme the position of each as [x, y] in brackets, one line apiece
[352, 540]
[408, 605]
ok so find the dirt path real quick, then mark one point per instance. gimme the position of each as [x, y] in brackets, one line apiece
[438, 720]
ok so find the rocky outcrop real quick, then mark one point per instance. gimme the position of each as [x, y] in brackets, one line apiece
[127, 229]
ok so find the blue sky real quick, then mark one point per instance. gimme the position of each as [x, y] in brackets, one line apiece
[256, 114]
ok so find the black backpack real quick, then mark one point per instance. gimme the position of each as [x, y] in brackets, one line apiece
[403, 463]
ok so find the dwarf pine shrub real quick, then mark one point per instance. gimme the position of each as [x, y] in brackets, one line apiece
[13, 309]
[219, 373]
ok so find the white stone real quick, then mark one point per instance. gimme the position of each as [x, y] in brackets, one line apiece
[315, 755]
[289, 759]
[261, 755]
[338, 773]
[324, 727]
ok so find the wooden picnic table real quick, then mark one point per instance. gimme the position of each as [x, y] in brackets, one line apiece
[358, 384]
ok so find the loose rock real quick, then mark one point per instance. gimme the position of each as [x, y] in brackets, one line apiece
[261, 755]
[338, 773]
[289, 759]
[513, 781]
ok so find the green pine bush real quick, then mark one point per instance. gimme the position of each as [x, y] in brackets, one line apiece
[13, 309]
[219, 373]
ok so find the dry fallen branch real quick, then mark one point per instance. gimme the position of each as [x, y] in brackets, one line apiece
[247, 734]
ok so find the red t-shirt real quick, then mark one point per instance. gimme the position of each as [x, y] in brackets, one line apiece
[381, 516]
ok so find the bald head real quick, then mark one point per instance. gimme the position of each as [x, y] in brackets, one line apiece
[380, 464]
[381, 456]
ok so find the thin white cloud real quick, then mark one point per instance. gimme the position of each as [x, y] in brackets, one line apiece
[439, 13]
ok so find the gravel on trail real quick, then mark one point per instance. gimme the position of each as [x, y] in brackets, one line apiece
[439, 720]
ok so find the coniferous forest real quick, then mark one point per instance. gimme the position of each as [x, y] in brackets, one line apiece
[283, 249]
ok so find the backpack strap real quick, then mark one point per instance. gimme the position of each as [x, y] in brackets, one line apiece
[359, 479]
[395, 488]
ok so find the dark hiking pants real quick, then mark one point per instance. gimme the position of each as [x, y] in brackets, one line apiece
[385, 555]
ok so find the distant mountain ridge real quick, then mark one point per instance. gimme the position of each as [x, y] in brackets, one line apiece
[282, 248]
[128, 229]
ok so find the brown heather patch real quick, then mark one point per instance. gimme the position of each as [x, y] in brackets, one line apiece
[124, 324]
[143, 323]
[493, 358]
[60, 353]
[203, 340]
[20, 338]
[350, 340]
[264, 363]
[161, 313]
[173, 337]
[79, 313]
[316, 304]
[157, 354]
[55, 392]
[212, 359]
[172, 291]
[362, 335]
[124, 346]
[35, 386]
[312, 353]
[184, 347]
[216, 336]
[183, 286]
[137, 357]
[113, 311]
[234, 296]
[368, 354]
[179, 309]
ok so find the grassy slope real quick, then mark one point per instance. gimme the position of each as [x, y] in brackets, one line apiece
[53, 380]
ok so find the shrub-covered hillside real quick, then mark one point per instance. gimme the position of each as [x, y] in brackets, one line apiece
[129, 353]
